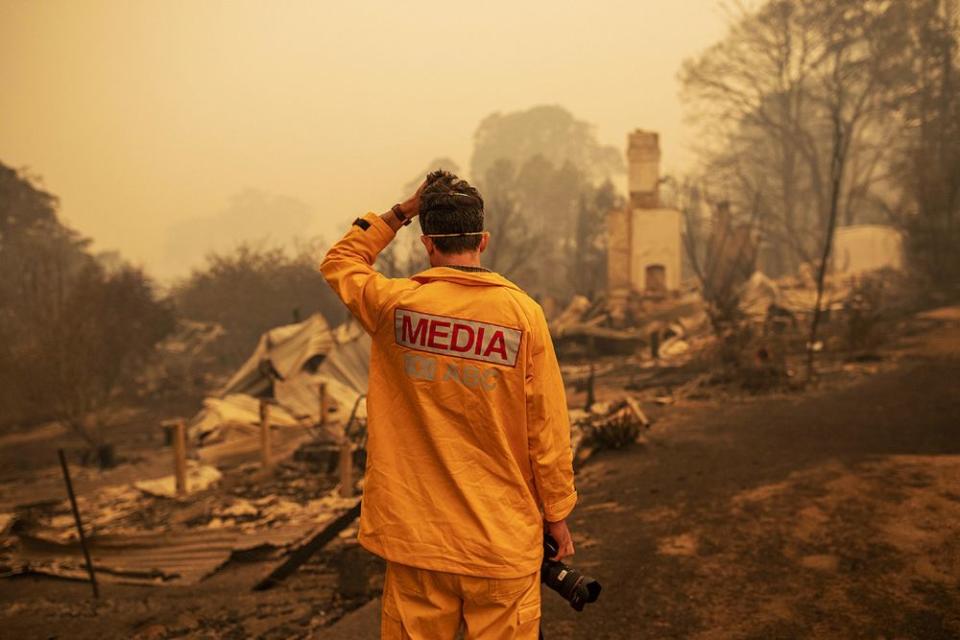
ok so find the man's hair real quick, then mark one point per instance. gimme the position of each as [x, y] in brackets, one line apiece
[449, 204]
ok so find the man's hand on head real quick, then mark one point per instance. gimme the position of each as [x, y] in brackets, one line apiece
[410, 208]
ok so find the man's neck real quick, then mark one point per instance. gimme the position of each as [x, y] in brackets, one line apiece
[457, 260]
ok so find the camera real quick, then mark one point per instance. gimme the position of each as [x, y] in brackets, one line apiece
[576, 588]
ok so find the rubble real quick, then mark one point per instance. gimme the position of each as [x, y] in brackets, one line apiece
[309, 546]
[625, 324]
[135, 540]
[145, 532]
[199, 478]
[757, 295]
[606, 426]
[314, 379]
[185, 359]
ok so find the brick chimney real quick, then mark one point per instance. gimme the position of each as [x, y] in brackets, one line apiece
[643, 158]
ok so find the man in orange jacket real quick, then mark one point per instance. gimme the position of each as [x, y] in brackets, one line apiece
[468, 435]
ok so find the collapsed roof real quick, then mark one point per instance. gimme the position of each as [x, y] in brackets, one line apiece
[288, 365]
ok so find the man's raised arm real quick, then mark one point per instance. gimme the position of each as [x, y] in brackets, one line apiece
[348, 265]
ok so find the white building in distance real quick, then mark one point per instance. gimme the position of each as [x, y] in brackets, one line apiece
[645, 251]
[866, 247]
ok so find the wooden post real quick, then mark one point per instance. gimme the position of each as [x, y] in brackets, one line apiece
[265, 456]
[591, 395]
[76, 519]
[180, 456]
[168, 428]
[323, 403]
[655, 344]
[346, 468]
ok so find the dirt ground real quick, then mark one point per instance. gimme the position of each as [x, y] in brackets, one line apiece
[832, 514]
[828, 514]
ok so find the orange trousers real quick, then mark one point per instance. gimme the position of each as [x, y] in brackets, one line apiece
[419, 604]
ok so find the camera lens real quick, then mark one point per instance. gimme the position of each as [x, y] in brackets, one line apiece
[573, 586]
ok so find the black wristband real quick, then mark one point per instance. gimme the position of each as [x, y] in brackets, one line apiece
[397, 212]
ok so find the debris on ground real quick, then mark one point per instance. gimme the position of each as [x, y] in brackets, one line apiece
[606, 425]
[245, 496]
[611, 325]
[142, 537]
[199, 478]
[628, 355]
[301, 370]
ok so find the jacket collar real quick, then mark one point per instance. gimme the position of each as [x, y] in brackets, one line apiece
[469, 278]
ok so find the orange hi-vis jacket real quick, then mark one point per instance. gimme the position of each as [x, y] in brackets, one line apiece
[468, 431]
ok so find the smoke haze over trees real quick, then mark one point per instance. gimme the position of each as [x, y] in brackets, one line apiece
[813, 114]
[252, 289]
[73, 330]
[250, 215]
[546, 183]
[547, 130]
[804, 95]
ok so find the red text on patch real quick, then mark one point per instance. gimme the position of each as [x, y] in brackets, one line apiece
[457, 337]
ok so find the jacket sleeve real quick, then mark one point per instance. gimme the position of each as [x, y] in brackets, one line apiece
[348, 269]
[548, 426]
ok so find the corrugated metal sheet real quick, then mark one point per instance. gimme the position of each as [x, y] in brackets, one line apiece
[159, 558]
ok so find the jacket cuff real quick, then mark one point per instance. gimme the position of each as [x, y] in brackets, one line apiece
[381, 230]
[557, 511]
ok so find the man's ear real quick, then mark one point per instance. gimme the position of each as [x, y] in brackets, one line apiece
[427, 244]
[484, 240]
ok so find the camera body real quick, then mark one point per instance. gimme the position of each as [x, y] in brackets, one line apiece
[576, 588]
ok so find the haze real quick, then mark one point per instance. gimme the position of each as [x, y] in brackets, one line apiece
[168, 128]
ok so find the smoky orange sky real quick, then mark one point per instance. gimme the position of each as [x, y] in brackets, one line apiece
[168, 128]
